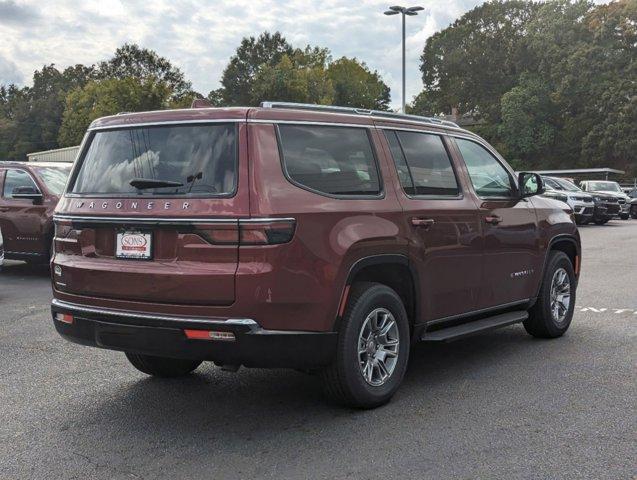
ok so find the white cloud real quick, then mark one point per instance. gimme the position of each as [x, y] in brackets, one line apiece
[200, 36]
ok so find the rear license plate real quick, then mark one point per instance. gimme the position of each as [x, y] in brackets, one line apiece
[135, 245]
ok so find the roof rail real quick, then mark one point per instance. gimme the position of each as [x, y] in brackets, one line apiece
[359, 111]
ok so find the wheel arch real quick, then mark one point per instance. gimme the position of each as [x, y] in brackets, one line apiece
[393, 270]
[567, 244]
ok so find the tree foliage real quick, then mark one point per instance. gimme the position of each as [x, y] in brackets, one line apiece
[269, 68]
[252, 55]
[131, 61]
[107, 97]
[553, 84]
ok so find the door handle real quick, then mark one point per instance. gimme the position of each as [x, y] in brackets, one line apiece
[492, 219]
[422, 222]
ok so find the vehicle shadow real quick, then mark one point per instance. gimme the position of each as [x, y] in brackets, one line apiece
[245, 411]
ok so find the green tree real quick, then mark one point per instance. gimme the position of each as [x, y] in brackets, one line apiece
[554, 83]
[30, 117]
[299, 77]
[472, 63]
[130, 60]
[356, 86]
[108, 97]
[252, 55]
[269, 68]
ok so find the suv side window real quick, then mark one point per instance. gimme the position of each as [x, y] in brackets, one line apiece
[423, 164]
[16, 178]
[330, 160]
[490, 179]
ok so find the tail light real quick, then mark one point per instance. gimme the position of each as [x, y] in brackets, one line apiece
[65, 238]
[271, 231]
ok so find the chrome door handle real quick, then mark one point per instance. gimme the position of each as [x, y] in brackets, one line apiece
[422, 222]
[492, 219]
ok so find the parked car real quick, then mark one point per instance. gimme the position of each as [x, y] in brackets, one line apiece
[581, 203]
[632, 194]
[609, 188]
[30, 192]
[317, 238]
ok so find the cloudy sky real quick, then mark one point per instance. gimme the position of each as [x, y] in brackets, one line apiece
[199, 36]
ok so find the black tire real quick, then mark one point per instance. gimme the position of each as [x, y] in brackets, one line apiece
[625, 217]
[343, 380]
[600, 222]
[541, 322]
[633, 213]
[162, 366]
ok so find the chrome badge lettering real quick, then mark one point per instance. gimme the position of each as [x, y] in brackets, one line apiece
[523, 273]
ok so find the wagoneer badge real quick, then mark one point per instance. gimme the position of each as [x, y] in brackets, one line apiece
[133, 205]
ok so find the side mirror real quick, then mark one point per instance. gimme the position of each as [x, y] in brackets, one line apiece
[28, 193]
[530, 184]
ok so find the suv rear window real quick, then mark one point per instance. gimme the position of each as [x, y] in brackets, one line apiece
[202, 158]
[331, 160]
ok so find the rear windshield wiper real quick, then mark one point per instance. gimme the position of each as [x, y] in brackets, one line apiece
[142, 183]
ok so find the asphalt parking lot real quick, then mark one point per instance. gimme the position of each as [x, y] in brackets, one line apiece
[501, 405]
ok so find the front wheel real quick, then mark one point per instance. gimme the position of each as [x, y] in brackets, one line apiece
[373, 348]
[552, 313]
[162, 366]
[625, 216]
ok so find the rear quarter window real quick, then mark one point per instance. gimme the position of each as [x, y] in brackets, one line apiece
[337, 161]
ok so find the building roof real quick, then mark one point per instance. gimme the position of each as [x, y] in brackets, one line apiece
[581, 171]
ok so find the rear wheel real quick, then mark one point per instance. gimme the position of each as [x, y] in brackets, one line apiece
[551, 315]
[373, 348]
[162, 366]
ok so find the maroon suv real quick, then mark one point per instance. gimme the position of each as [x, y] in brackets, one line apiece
[30, 192]
[317, 238]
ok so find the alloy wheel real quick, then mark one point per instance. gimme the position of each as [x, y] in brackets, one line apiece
[560, 295]
[378, 344]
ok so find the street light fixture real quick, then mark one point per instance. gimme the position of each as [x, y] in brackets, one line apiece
[404, 11]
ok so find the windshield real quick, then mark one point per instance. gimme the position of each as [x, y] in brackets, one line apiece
[568, 186]
[187, 159]
[605, 186]
[54, 178]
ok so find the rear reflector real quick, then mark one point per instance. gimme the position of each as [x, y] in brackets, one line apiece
[210, 335]
[64, 318]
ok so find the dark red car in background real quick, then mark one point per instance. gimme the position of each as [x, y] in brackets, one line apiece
[29, 194]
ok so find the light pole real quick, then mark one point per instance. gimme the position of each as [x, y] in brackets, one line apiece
[404, 11]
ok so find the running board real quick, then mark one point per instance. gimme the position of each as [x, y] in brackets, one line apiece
[450, 334]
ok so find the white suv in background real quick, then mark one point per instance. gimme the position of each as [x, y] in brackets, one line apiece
[582, 203]
[611, 188]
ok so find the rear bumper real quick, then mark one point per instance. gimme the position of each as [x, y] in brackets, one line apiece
[164, 336]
